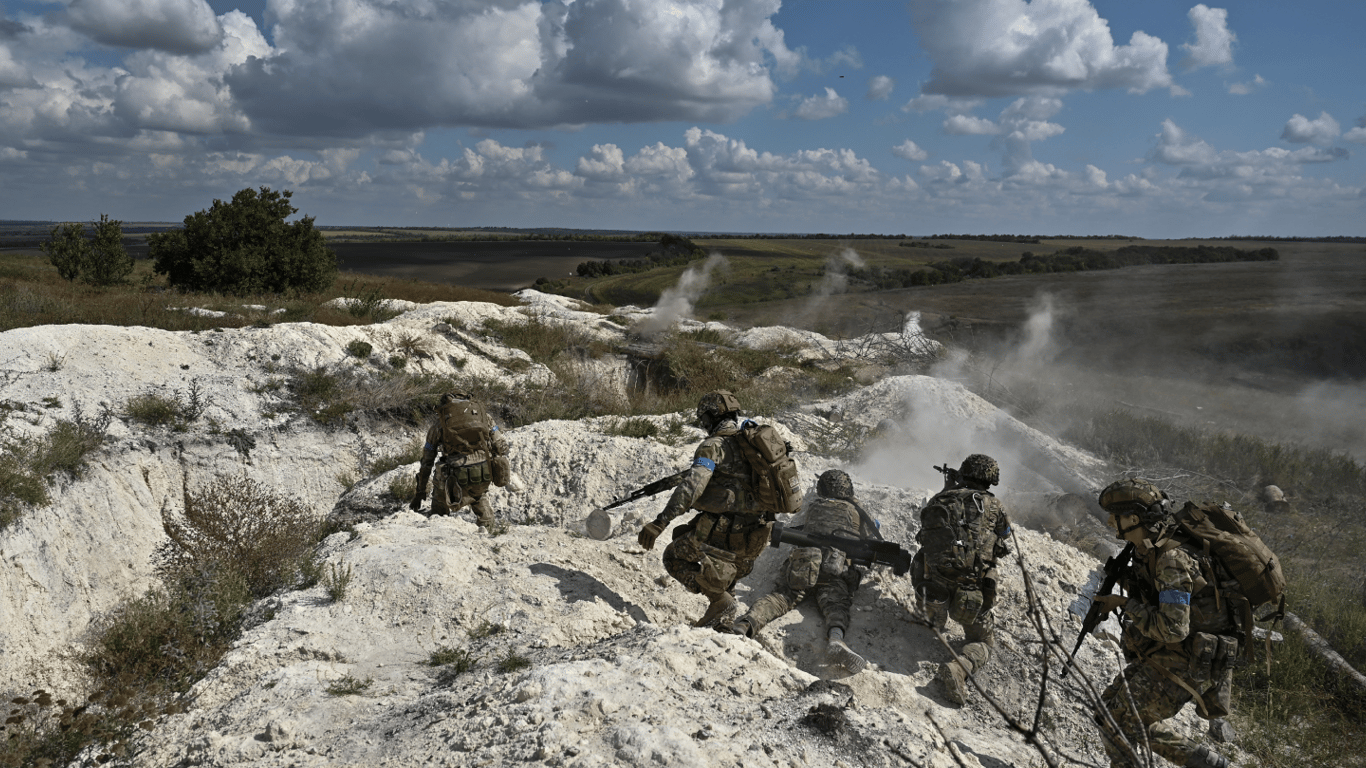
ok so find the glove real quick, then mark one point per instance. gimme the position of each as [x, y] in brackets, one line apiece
[416, 504]
[649, 533]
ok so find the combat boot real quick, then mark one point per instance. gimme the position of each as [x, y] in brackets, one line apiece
[840, 655]
[1204, 757]
[720, 613]
[955, 681]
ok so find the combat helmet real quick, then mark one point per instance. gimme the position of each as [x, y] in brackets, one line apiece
[1135, 496]
[835, 484]
[980, 468]
[714, 406]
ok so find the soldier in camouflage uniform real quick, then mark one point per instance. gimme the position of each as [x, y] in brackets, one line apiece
[963, 530]
[718, 546]
[465, 471]
[1180, 639]
[825, 570]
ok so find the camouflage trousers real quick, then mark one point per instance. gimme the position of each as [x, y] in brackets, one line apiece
[474, 496]
[834, 596]
[713, 551]
[942, 600]
[1157, 699]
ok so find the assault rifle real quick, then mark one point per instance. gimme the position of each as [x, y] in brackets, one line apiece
[658, 486]
[951, 477]
[1114, 568]
[860, 551]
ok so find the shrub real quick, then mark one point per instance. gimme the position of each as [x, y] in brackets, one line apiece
[485, 629]
[403, 488]
[358, 348]
[161, 408]
[242, 528]
[337, 581]
[108, 262]
[27, 463]
[245, 247]
[635, 427]
[100, 261]
[67, 249]
[349, 686]
[513, 662]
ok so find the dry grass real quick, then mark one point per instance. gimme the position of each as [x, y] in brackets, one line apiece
[32, 294]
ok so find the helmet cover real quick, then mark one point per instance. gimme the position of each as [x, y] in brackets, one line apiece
[982, 468]
[835, 484]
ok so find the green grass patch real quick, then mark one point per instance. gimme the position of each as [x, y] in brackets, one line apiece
[349, 686]
[513, 662]
[27, 463]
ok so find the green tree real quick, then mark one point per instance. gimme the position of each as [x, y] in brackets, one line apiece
[108, 262]
[246, 247]
[67, 249]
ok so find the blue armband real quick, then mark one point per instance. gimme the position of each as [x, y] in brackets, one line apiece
[428, 448]
[495, 428]
[1173, 597]
[702, 461]
[1006, 532]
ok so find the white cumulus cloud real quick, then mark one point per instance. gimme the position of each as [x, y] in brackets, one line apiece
[1213, 39]
[908, 150]
[967, 125]
[1243, 89]
[1321, 130]
[820, 107]
[1013, 47]
[880, 88]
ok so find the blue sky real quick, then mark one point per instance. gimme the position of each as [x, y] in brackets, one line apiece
[1153, 118]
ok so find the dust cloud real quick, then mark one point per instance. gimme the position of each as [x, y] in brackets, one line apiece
[676, 302]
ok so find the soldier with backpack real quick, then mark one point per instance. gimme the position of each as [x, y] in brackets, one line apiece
[963, 530]
[473, 456]
[1197, 576]
[741, 477]
[825, 572]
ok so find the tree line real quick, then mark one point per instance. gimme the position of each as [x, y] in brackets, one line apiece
[1074, 259]
[674, 251]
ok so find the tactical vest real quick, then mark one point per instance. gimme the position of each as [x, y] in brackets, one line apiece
[777, 486]
[958, 533]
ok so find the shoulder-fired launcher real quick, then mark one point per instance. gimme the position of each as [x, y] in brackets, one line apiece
[860, 551]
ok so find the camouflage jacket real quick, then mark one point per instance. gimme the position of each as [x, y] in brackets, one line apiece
[1186, 601]
[719, 480]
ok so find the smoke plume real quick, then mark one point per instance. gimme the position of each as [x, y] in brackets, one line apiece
[676, 302]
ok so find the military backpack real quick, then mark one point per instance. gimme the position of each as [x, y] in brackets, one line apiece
[465, 428]
[1219, 532]
[956, 535]
[777, 486]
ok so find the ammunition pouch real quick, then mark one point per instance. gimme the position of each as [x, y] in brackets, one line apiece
[835, 563]
[470, 475]
[965, 605]
[803, 568]
[501, 470]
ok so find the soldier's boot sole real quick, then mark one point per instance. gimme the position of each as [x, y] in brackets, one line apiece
[721, 612]
[840, 654]
[1204, 757]
[955, 682]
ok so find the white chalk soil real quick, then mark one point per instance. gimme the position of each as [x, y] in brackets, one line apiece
[582, 651]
